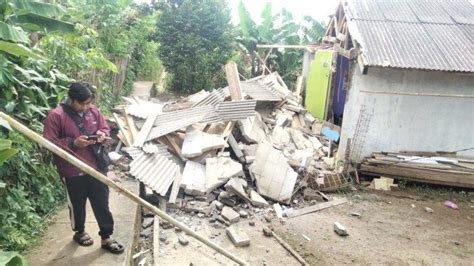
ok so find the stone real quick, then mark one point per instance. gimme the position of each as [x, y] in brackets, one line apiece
[267, 218]
[252, 223]
[230, 215]
[238, 237]
[257, 200]
[280, 136]
[429, 210]
[243, 214]
[183, 240]
[356, 214]
[218, 204]
[340, 229]
[267, 231]
[146, 232]
[147, 222]
[163, 237]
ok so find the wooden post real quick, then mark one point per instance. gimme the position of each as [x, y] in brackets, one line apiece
[102, 178]
[232, 75]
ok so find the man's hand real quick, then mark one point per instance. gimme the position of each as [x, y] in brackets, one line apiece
[100, 136]
[82, 142]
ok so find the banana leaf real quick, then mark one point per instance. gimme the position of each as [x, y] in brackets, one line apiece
[10, 33]
[12, 258]
[43, 9]
[45, 23]
[17, 49]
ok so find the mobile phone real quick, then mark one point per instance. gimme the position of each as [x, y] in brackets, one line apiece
[92, 137]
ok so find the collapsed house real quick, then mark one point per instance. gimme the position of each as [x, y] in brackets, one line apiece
[256, 146]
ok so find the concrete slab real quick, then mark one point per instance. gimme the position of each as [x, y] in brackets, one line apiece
[58, 248]
[238, 236]
[230, 215]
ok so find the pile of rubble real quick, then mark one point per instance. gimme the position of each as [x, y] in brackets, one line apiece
[252, 144]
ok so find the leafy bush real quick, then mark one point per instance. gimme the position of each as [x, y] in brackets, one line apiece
[31, 191]
[195, 39]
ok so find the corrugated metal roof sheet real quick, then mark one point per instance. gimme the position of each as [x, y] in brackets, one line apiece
[236, 110]
[155, 171]
[136, 152]
[259, 91]
[420, 34]
[214, 98]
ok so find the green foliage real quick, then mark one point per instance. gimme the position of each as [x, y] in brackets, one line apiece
[150, 66]
[275, 29]
[12, 258]
[32, 191]
[6, 151]
[195, 38]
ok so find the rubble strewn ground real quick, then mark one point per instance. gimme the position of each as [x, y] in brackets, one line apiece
[228, 174]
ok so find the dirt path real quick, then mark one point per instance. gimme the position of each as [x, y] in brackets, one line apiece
[390, 231]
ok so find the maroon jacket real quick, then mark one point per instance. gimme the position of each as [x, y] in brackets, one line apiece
[60, 129]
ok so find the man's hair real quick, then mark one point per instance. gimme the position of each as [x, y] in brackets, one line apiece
[81, 91]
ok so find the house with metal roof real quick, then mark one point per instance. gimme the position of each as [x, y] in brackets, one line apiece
[402, 76]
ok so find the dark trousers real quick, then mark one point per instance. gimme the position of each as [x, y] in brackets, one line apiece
[81, 188]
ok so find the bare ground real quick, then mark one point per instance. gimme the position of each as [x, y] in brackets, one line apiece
[390, 231]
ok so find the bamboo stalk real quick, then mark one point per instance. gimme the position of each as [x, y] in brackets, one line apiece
[102, 178]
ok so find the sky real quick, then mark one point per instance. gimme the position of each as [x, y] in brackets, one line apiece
[318, 9]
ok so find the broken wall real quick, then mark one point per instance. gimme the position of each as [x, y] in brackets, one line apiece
[378, 121]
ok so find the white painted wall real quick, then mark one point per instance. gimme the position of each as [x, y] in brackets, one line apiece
[403, 122]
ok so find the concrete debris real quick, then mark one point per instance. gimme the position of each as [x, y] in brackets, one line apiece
[238, 236]
[182, 239]
[382, 183]
[243, 214]
[274, 176]
[197, 142]
[253, 129]
[222, 167]
[230, 215]
[340, 229]
[236, 185]
[147, 222]
[278, 210]
[280, 136]
[429, 210]
[257, 200]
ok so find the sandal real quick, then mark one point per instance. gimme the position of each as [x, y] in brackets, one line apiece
[83, 239]
[113, 247]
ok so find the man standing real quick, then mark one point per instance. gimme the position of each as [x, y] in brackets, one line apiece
[78, 127]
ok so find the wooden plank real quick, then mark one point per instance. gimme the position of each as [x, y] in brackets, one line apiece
[290, 249]
[174, 146]
[143, 134]
[175, 187]
[422, 175]
[316, 207]
[299, 88]
[125, 133]
[131, 126]
[232, 75]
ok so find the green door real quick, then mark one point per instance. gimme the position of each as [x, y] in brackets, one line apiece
[318, 83]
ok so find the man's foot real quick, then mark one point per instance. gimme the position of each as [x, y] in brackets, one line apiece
[83, 239]
[112, 246]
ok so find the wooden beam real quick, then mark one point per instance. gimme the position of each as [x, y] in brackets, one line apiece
[316, 207]
[130, 125]
[232, 75]
[143, 134]
[125, 133]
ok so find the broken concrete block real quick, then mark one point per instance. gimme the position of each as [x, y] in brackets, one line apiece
[227, 198]
[243, 214]
[300, 140]
[235, 185]
[340, 229]
[194, 178]
[230, 215]
[329, 161]
[316, 143]
[316, 127]
[383, 183]
[248, 150]
[274, 176]
[257, 200]
[429, 210]
[238, 236]
[183, 240]
[197, 142]
[278, 210]
[309, 117]
[218, 204]
[222, 167]
[280, 136]
[283, 120]
[253, 129]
